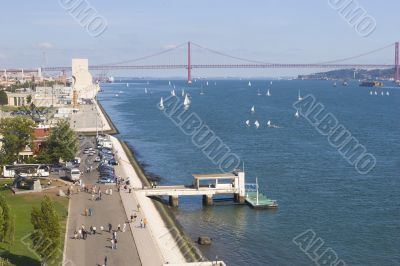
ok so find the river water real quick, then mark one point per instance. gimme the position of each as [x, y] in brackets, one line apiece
[357, 216]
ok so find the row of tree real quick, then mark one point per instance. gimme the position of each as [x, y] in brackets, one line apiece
[17, 133]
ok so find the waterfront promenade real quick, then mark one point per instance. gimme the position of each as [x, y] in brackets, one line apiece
[89, 118]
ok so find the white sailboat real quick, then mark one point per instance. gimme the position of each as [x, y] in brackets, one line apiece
[259, 93]
[183, 93]
[201, 91]
[248, 123]
[334, 84]
[127, 84]
[145, 90]
[257, 124]
[376, 93]
[207, 83]
[382, 93]
[116, 95]
[299, 98]
[268, 93]
[269, 124]
[249, 84]
[161, 104]
[387, 93]
[169, 83]
[253, 109]
[297, 114]
[173, 93]
[370, 92]
[215, 83]
[186, 102]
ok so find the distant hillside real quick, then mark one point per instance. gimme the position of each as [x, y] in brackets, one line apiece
[363, 74]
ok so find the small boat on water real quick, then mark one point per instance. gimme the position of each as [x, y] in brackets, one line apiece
[207, 83]
[253, 109]
[382, 93]
[183, 93]
[186, 102]
[145, 90]
[257, 124]
[249, 84]
[173, 93]
[161, 104]
[269, 124]
[297, 114]
[268, 93]
[375, 93]
[299, 98]
[259, 93]
[169, 83]
[247, 123]
[370, 92]
[334, 84]
[201, 91]
[127, 84]
[387, 93]
[116, 95]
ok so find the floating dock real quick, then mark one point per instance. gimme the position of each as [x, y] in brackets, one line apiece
[257, 200]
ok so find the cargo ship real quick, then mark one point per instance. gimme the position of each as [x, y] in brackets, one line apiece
[371, 84]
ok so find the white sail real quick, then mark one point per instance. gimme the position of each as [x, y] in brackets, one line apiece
[183, 93]
[270, 82]
[257, 124]
[145, 90]
[248, 123]
[116, 95]
[376, 93]
[201, 91]
[169, 83]
[127, 84]
[370, 92]
[253, 109]
[268, 93]
[297, 114]
[382, 93]
[249, 84]
[207, 83]
[215, 83]
[387, 93]
[161, 105]
[299, 96]
[173, 93]
[186, 102]
[258, 93]
[269, 124]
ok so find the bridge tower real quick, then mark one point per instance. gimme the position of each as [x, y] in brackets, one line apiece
[396, 63]
[189, 66]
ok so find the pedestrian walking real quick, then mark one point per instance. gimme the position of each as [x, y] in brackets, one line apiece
[101, 228]
[114, 235]
[134, 217]
[79, 233]
[86, 212]
[94, 230]
[109, 227]
[119, 228]
[130, 190]
[91, 229]
[76, 234]
[115, 243]
[105, 261]
[124, 228]
[141, 223]
[92, 197]
[112, 243]
[90, 211]
[145, 222]
[138, 207]
[131, 218]
[110, 192]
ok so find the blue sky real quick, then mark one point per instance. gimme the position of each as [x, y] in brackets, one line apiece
[266, 30]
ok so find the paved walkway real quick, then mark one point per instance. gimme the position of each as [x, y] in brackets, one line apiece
[107, 210]
[85, 119]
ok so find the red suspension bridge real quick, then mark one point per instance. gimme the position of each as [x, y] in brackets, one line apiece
[245, 63]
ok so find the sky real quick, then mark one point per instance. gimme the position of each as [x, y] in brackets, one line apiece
[46, 33]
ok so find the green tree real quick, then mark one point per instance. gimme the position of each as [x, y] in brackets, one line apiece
[62, 143]
[7, 222]
[3, 98]
[46, 236]
[29, 98]
[17, 132]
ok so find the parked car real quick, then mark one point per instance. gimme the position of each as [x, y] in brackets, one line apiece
[97, 159]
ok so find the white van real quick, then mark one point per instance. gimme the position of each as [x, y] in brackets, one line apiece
[74, 174]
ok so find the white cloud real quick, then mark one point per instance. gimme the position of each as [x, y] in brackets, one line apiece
[45, 45]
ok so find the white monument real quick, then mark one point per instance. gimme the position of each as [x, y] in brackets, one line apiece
[83, 79]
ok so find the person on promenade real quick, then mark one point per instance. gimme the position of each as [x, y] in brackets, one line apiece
[141, 223]
[75, 235]
[109, 227]
[86, 212]
[124, 227]
[134, 217]
[92, 196]
[145, 222]
[90, 211]
[130, 190]
[105, 261]
[119, 228]
[79, 233]
[101, 228]
[138, 207]
[91, 229]
[112, 243]
[131, 218]
[94, 230]
[115, 243]
[110, 191]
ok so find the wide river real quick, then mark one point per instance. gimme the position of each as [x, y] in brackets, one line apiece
[356, 215]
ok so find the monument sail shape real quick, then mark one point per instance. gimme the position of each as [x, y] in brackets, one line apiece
[84, 86]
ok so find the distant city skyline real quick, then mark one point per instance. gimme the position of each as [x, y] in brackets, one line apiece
[45, 33]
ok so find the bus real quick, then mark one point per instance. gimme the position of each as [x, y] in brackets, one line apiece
[26, 170]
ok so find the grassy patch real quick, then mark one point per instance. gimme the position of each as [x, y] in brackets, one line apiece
[21, 205]
[6, 108]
